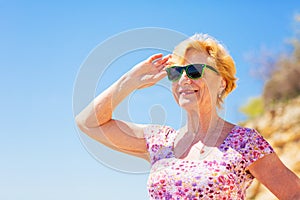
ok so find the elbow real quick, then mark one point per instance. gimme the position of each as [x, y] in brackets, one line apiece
[80, 122]
[91, 120]
[84, 123]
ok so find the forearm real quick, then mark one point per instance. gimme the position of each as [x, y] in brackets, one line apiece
[100, 110]
[142, 75]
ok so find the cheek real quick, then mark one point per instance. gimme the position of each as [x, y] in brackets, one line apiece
[202, 85]
[205, 89]
[212, 87]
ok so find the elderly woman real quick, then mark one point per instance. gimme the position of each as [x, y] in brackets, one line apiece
[209, 158]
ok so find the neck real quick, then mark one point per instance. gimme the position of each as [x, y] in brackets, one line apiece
[201, 125]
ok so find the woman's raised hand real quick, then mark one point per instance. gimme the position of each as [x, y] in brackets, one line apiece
[150, 71]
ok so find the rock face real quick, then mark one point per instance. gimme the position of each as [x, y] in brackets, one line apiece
[280, 126]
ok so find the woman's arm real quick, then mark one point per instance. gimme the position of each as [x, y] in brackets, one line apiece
[96, 119]
[271, 172]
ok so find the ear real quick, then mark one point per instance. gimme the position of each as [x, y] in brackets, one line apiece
[223, 85]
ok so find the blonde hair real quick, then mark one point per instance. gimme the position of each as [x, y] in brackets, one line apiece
[217, 55]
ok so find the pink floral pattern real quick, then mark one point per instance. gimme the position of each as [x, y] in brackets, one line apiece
[220, 175]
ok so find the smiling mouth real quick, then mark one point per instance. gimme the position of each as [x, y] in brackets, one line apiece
[188, 92]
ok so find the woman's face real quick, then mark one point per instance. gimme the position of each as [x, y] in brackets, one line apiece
[198, 94]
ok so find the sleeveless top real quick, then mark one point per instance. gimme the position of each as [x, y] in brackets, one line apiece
[222, 174]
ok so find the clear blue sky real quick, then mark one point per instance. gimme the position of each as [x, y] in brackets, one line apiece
[42, 47]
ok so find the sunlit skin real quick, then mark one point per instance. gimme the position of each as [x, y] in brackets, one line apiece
[204, 126]
[198, 97]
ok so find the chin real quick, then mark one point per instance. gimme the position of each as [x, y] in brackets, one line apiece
[187, 104]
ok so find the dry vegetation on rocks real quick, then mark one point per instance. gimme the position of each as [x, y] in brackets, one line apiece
[278, 120]
[281, 128]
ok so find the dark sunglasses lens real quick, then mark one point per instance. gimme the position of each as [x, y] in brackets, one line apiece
[194, 71]
[174, 73]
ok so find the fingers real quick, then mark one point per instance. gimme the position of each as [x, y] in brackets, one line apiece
[155, 57]
[158, 59]
[161, 64]
[166, 58]
[169, 56]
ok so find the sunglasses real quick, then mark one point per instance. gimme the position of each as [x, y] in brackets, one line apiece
[193, 71]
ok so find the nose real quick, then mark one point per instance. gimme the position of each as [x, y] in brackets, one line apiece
[184, 79]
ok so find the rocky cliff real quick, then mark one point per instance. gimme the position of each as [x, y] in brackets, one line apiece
[281, 128]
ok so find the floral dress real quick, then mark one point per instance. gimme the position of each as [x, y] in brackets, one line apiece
[222, 174]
